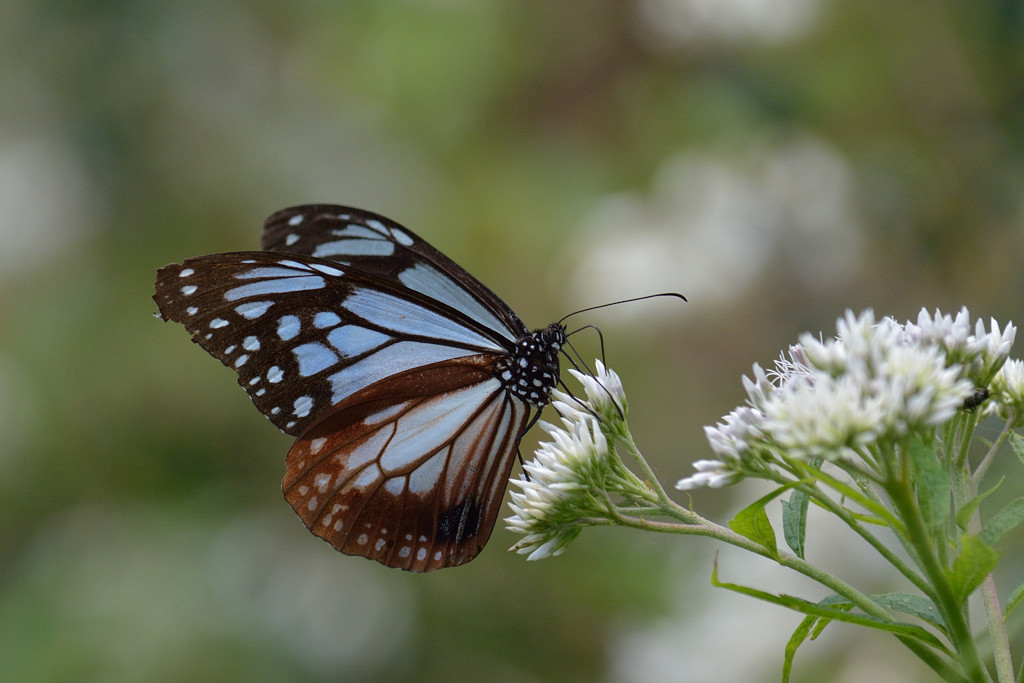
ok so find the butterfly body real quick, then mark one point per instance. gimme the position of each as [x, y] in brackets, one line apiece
[406, 381]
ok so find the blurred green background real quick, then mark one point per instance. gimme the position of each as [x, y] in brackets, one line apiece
[777, 161]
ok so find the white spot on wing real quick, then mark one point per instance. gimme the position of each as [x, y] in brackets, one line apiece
[352, 340]
[267, 272]
[402, 237]
[303, 405]
[425, 477]
[251, 343]
[296, 219]
[217, 323]
[354, 247]
[325, 319]
[292, 238]
[191, 310]
[185, 272]
[253, 309]
[357, 230]
[368, 476]
[274, 374]
[328, 270]
[276, 286]
[313, 358]
[189, 290]
[288, 327]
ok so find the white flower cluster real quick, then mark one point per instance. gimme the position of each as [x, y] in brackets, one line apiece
[875, 382]
[981, 354]
[1008, 391]
[564, 482]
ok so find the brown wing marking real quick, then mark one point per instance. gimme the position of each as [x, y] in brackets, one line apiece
[410, 471]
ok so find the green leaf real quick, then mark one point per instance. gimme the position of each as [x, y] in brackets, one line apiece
[914, 605]
[794, 521]
[1017, 444]
[963, 515]
[826, 612]
[976, 560]
[931, 485]
[795, 641]
[752, 522]
[1016, 597]
[1004, 520]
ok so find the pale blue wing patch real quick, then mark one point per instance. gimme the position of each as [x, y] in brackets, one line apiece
[407, 318]
[426, 279]
[400, 357]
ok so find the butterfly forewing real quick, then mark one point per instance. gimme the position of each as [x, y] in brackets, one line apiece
[379, 246]
[299, 333]
[407, 382]
[409, 472]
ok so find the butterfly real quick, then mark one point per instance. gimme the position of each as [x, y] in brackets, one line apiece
[405, 380]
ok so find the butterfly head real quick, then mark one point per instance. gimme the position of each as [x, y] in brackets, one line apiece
[530, 371]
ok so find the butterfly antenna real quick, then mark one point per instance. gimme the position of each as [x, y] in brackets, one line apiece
[599, 336]
[624, 301]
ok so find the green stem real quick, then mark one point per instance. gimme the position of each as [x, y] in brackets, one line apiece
[982, 468]
[649, 479]
[990, 596]
[997, 631]
[899, 489]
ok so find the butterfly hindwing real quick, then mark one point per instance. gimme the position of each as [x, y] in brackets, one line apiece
[409, 472]
[303, 334]
[381, 247]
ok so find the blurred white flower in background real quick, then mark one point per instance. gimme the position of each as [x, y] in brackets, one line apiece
[49, 203]
[676, 23]
[713, 226]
